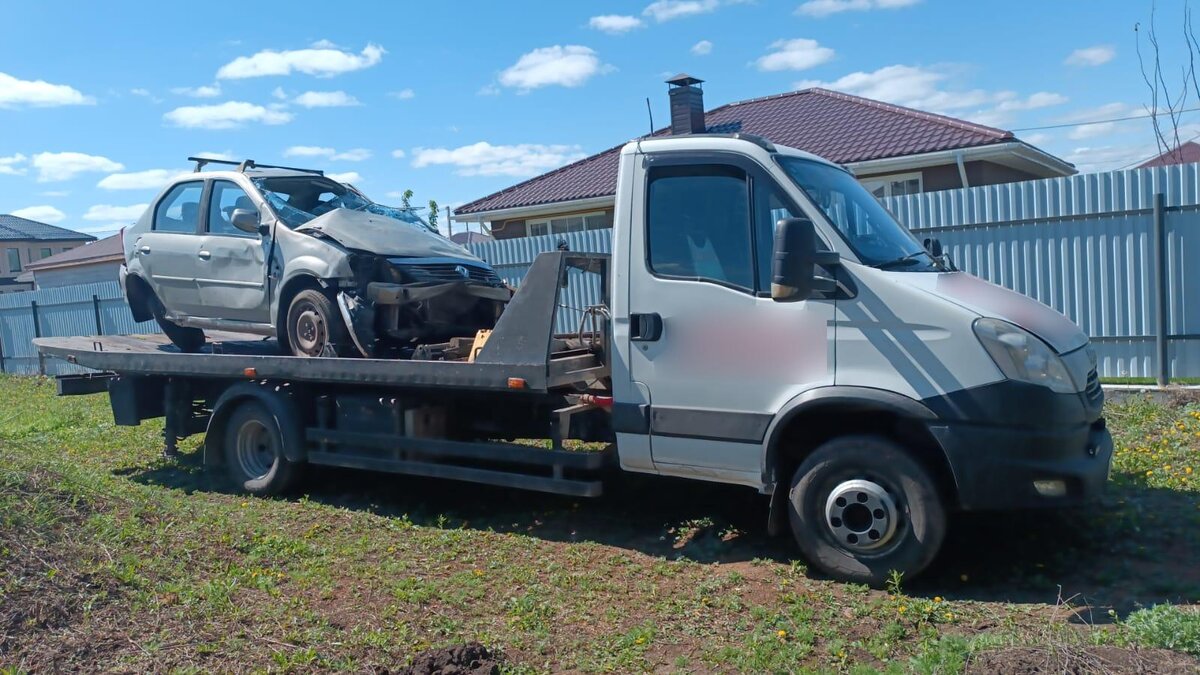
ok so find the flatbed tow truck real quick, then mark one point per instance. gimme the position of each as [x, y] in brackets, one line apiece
[764, 323]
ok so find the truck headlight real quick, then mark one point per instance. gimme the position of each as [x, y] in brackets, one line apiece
[1022, 356]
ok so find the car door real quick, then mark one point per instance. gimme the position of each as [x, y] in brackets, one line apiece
[167, 252]
[231, 263]
[717, 356]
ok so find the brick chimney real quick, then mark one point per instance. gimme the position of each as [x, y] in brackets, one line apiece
[687, 105]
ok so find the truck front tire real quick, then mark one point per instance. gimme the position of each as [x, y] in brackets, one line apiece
[254, 453]
[861, 507]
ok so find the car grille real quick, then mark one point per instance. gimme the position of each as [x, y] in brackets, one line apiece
[1093, 391]
[444, 272]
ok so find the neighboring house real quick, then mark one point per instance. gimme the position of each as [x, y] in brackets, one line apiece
[92, 263]
[892, 149]
[1184, 154]
[25, 241]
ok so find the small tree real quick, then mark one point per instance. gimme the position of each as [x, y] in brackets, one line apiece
[433, 213]
[1168, 102]
[406, 198]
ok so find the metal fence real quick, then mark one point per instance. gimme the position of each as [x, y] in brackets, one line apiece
[1104, 249]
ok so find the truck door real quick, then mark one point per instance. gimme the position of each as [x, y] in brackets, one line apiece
[232, 264]
[167, 253]
[718, 357]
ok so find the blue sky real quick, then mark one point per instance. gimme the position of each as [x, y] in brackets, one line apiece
[100, 102]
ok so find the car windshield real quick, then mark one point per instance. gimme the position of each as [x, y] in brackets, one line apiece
[299, 199]
[870, 231]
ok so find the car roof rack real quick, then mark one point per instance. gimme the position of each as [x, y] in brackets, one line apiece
[247, 164]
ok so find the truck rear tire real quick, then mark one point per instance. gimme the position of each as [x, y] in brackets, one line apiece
[861, 507]
[189, 340]
[314, 326]
[254, 453]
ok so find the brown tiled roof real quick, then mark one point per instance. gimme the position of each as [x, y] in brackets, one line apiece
[839, 127]
[1185, 154]
[106, 248]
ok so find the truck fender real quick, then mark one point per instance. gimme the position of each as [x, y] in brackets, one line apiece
[277, 399]
[866, 399]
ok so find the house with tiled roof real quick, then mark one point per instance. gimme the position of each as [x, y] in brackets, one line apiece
[24, 241]
[1186, 153]
[91, 263]
[892, 150]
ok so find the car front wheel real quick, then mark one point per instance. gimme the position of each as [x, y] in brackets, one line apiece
[315, 327]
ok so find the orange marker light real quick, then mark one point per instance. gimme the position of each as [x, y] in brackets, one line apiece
[516, 383]
[250, 372]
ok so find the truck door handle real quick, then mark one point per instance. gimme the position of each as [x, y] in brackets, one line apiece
[144, 250]
[204, 255]
[645, 327]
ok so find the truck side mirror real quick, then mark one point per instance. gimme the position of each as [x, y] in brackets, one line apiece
[934, 246]
[794, 263]
[245, 220]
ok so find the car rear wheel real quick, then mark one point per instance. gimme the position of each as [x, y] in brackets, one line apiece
[189, 340]
[861, 507]
[315, 327]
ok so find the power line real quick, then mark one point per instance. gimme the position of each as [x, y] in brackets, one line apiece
[1114, 119]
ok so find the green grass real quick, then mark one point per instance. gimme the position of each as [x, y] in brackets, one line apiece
[1149, 381]
[113, 558]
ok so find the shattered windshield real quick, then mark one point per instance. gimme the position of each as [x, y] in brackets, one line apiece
[299, 199]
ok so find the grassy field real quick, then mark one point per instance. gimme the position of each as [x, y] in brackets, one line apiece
[111, 558]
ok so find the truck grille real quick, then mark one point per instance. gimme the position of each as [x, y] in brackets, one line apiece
[445, 272]
[1093, 391]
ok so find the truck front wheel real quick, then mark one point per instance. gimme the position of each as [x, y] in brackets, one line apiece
[861, 507]
[254, 451]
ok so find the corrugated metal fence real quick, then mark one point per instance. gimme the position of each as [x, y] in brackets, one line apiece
[1089, 246]
[85, 309]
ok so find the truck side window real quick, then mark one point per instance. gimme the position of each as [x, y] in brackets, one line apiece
[769, 208]
[698, 224]
[179, 210]
[225, 198]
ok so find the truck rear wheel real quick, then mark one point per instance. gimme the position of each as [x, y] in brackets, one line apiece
[861, 507]
[254, 451]
[315, 326]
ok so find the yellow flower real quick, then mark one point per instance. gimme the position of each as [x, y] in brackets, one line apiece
[641, 640]
[937, 598]
[781, 633]
[1150, 472]
[477, 573]
[949, 615]
[1187, 469]
[901, 609]
[1166, 467]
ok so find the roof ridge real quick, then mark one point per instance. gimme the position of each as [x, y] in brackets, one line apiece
[541, 176]
[911, 112]
[55, 228]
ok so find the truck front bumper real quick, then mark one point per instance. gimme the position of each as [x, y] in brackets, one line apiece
[1002, 468]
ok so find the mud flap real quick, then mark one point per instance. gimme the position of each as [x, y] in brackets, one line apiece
[360, 322]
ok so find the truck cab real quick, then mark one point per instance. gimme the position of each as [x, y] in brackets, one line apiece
[774, 326]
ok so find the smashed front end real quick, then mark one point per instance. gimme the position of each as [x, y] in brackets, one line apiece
[398, 304]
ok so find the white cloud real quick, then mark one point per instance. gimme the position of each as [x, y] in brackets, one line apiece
[399, 154]
[347, 177]
[1108, 157]
[666, 10]
[1091, 131]
[403, 94]
[279, 93]
[352, 155]
[1091, 56]
[320, 60]
[42, 214]
[1041, 99]
[8, 165]
[226, 115]
[615, 24]
[702, 48]
[227, 155]
[108, 212]
[146, 94]
[485, 159]
[325, 99]
[60, 166]
[568, 66]
[798, 54]
[823, 8]
[488, 90]
[54, 193]
[15, 92]
[150, 179]
[1107, 111]
[203, 91]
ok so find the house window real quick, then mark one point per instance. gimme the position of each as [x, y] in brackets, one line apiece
[14, 260]
[44, 253]
[579, 223]
[894, 185]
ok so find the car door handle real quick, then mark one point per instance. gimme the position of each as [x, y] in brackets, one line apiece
[204, 255]
[144, 250]
[645, 327]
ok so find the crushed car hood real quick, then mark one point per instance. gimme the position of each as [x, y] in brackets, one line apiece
[382, 235]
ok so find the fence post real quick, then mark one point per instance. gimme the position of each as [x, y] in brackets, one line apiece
[1160, 292]
[37, 333]
[96, 311]
[2, 370]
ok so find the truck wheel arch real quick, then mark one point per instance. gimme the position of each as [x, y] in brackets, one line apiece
[277, 399]
[824, 413]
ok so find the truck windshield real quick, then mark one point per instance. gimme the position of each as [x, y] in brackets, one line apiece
[871, 232]
[299, 199]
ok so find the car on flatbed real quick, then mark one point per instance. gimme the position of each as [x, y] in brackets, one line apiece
[292, 254]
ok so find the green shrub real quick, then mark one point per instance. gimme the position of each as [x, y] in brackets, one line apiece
[1166, 626]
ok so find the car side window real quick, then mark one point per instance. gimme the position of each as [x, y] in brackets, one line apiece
[179, 210]
[226, 197]
[698, 224]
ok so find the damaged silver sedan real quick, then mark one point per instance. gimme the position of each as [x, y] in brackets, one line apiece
[292, 254]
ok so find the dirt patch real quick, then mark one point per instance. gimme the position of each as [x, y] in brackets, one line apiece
[1078, 660]
[469, 659]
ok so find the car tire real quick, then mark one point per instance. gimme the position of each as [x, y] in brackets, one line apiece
[189, 340]
[254, 454]
[315, 327]
[861, 507]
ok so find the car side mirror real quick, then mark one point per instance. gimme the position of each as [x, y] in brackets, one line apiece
[245, 220]
[794, 262]
[934, 246]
